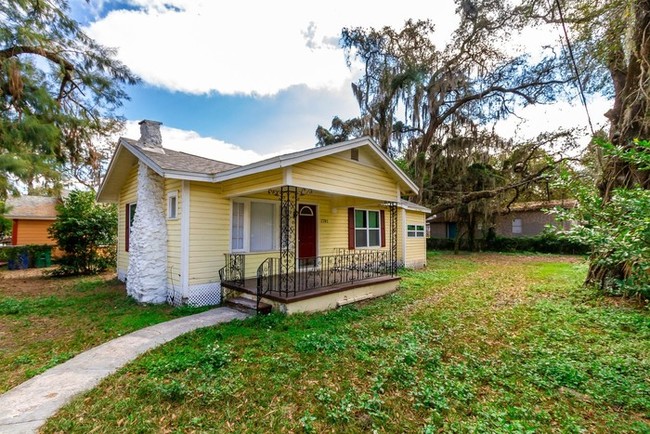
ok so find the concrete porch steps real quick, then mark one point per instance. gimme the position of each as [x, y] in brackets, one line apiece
[246, 305]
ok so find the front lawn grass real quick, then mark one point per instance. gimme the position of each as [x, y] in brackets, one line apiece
[474, 343]
[46, 321]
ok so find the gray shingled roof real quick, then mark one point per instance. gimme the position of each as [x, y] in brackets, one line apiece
[412, 205]
[174, 160]
[31, 207]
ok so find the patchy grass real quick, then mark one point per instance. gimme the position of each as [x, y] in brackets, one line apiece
[474, 343]
[46, 321]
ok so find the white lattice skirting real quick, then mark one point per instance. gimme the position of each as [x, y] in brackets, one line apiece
[202, 295]
[208, 294]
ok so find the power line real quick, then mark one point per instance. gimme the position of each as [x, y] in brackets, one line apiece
[575, 65]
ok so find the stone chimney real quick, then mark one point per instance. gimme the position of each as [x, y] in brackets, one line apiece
[150, 138]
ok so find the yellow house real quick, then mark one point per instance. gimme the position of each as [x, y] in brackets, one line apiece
[305, 231]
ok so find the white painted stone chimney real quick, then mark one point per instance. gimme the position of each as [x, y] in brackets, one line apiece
[150, 137]
[146, 279]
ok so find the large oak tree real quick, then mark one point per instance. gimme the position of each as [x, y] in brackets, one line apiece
[435, 106]
[611, 50]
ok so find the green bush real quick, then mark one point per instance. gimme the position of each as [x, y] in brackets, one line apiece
[543, 243]
[546, 242]
[442, 244]
[617, 230]
[86, 232]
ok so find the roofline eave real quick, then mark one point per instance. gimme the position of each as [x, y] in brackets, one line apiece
[282, 161]
[111, 167]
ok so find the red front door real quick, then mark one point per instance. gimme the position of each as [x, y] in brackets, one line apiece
[306, 231]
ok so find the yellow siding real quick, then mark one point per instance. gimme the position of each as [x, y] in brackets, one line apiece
[210, 221]
[128, 194]
[252, 183]
[209, 232]
[366, 157]
[331, 226]
[401, 233]
[332, 221]
[174, 234]
[416, 248]
[346, 177]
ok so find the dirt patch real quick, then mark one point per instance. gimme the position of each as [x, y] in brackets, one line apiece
[34, 282]
[22, 274]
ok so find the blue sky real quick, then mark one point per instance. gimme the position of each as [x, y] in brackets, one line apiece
[239, 81]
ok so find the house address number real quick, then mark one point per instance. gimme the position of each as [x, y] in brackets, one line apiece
[324, 221]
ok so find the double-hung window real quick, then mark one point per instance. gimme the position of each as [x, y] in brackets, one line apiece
[237, 226]
[516, 226]
[263, 224]
[172, 205]
[367, 229]
[415, 231]
[130, 216]
[254, 226]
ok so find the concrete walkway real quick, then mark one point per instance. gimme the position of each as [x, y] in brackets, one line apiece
[26, 407]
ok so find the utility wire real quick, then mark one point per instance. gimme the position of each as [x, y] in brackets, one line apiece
[575, 65]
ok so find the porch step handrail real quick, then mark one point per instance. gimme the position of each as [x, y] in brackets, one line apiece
[234, 270]
[267, 274]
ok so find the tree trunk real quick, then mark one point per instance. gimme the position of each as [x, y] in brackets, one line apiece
[629, 120]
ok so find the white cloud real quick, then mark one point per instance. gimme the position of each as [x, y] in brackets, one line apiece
[249, 46]
[191, 142]
[536, 119]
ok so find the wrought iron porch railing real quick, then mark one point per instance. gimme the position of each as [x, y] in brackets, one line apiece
[235, 269]
[267, 278]
[322, 271]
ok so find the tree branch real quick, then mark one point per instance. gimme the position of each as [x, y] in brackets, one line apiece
[52, 56]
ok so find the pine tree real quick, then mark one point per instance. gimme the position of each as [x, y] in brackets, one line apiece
[59, 91]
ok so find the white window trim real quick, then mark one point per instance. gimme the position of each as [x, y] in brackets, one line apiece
[303, 206]
[170, 195]
[185, 236]
[247, 225]
[520, 226]
[417, 232]
[317, 219]
[128, 217]
[367, 229]
[128, 223]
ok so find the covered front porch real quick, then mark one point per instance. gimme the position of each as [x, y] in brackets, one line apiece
[296, 277]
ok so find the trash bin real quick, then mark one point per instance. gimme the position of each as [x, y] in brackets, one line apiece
[43, 259]
[23, 260]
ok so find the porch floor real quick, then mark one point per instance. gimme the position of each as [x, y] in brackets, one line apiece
[302, 293]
